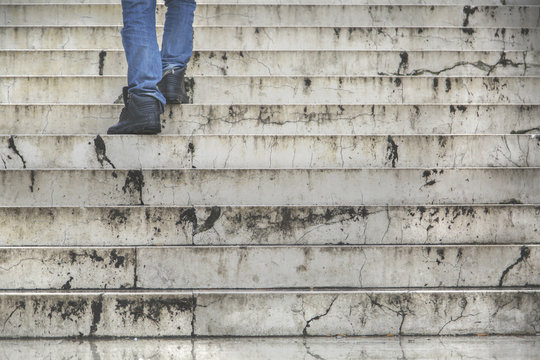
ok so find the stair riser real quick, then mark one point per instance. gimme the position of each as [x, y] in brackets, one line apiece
[294, 63]
[269, 187]
[372, 267]
[284, 90]
[281, 314]
[66, 268]
[269, 267]
[288, 38]
[286, 119]
[267, 152]
[285, 15]
[269, 225]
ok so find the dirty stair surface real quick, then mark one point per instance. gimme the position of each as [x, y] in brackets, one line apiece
[345, 168]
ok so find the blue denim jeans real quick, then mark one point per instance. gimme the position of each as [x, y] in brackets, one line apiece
[146, 63]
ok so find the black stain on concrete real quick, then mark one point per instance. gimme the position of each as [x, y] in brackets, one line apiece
[215, 214]
[134, 184]
[137, 309]
[189, 84]
[512, 202]
[404, 63]
[97, 309]
[67, 285]
[468, 11]
[117, 260]
[115, 215]
[101, 151]
[72, 310]
[448, 85]
[95, 257]
[32, 180]
[102, 56]
[12, 147]
[392, 151]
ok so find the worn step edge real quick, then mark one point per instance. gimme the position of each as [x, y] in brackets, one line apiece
[255, 187]
[295, 14]
[268, 151]
[269, 313]
[271, 266]
[363, 63]
[257, 89]
[280, 225]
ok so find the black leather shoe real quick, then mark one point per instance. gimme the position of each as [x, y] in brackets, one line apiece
[172, 87]
[140, 115]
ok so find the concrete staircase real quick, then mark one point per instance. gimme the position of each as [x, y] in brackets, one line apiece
[346, 168]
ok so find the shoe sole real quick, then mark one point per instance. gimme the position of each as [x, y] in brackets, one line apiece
[136, 129]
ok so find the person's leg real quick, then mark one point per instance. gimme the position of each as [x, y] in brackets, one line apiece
[178, 34]
[176, 49]
[141, 47]
[142, 99]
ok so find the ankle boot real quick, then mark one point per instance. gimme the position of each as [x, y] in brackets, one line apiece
[173, 88]
[140, 115]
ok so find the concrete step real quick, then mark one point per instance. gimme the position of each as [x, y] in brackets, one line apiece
[283, 119]
[268, 348]
[218, 38]
[271, 313]
[270, 187]
[268, 152]
[286, 15]
[284, 90]
[292, 63]
[263, 267]
[269, 225]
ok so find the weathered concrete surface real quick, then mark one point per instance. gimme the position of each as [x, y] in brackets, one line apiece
[270, 313]
[293, 63]
[142, 225]
[338, 266]
[270, 187]
[373, 313]
[283, 119]
[285, 90]
[285, 15]
[73, 314]
[268, 152]
[287, 38]
[338, 348]
[66, 268]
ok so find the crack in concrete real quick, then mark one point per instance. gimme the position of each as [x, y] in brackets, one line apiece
[317, 317]
[524, 255]
[463, 304]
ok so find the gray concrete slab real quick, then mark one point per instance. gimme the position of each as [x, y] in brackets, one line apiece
[268, 152]
[283, 119]
[320, 90]
[287, 38]
[270, 187]
[317, 225]
[285, 15]
[268, 313]
[293, 63]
